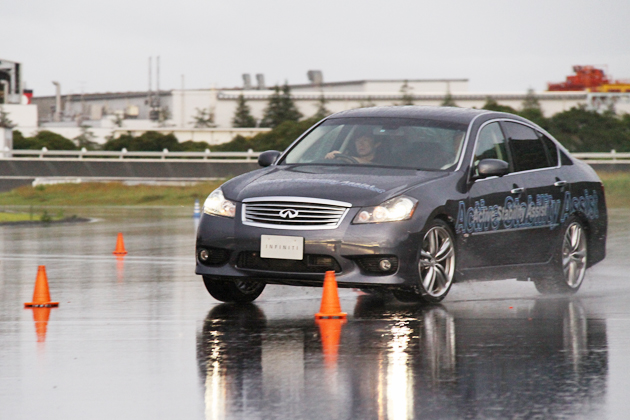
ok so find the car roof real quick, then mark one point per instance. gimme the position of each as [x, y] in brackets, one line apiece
[440, 113]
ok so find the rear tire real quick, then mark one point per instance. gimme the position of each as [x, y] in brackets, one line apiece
[436, 266]
[238, 291]
[569, 262]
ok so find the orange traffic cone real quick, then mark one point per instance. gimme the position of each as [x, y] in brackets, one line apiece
[330, 330]
[120, 246]
[41, 295]
[41, 316]
[330, 307]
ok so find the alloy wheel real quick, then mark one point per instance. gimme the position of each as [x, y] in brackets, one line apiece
[574, 255]
[437, 261]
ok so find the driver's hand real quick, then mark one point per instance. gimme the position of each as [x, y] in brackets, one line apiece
[332, 154]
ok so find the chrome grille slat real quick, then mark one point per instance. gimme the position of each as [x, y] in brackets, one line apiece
[258, 208]
[297, 206]
[251, 214]
[294, 222]
[312, 213]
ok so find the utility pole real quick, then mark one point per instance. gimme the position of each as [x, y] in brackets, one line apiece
[157, 76]
[149, 96]
[57, 116]
[183, 118]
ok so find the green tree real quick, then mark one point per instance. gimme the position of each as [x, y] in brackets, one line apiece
[150, 141]
[193, 146]
[367, 103]
[531, 100]
[492, 105]
[5, 122]
[47, 139]
[277, 139]
[448, 99]
[204, 118]
[322, 111]
[280, 108]
[54, 141]
[407, 95]
[531, 110]
[86, 139]
[242, 116]
[164, 114]
[580, 130]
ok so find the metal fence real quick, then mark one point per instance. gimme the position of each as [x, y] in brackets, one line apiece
[124, 154]
[606, 157]
[610, 157]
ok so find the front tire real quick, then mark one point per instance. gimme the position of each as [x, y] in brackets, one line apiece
[436, 266]
[238, 291]
[569, 262]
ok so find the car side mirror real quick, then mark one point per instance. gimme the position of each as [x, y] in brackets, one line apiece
[492, 167]
[268, 158]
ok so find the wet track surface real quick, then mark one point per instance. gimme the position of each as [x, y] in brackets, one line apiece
[139, 337]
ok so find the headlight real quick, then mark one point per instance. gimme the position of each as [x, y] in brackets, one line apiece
[399, 208]
[217, 205]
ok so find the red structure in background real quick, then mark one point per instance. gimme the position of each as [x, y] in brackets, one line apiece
[591, 79]
[585, 78]
[29, 95]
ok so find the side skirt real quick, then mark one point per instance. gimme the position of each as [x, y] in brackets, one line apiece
[502, 272]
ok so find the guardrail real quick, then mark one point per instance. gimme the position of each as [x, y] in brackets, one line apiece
[44, 153]
[124, 154]
[609, 157]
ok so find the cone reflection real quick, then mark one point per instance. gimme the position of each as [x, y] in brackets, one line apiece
[41, 316]
[330, 331]
[120, 268]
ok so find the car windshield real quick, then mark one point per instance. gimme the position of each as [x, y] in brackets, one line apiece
[391, 142]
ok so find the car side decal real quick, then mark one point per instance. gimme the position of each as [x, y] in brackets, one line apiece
[544, 211]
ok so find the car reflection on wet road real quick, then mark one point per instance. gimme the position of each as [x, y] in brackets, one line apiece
[139, 337]
[547, 360]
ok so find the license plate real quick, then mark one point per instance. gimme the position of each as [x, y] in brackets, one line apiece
[282, 247]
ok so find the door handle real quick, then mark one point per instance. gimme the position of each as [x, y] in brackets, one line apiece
[559, 183]
[517, 190]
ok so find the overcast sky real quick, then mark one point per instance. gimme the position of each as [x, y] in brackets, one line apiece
[499, 45]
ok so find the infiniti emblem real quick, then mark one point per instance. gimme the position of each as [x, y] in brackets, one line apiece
[290, 213]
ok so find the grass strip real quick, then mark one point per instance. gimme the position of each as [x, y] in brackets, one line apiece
[617, 186]
[107, 194]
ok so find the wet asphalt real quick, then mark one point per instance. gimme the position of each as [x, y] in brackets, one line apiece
[138, 337]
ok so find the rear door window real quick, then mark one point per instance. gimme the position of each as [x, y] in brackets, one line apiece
[527, 149]
[552, 149]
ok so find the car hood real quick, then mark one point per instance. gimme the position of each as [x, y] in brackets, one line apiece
[360, 186]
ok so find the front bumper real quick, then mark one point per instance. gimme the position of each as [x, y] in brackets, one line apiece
[350, 245]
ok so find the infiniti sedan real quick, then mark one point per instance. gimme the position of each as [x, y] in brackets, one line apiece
[408, 200]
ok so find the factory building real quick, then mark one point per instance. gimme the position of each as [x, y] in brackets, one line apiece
[206, 114]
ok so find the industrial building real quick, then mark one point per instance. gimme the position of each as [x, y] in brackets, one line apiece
[206, 114]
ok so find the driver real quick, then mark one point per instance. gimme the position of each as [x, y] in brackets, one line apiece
[365, 148]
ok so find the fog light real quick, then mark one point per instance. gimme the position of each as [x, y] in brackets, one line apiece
[385, 265]
[204, 255]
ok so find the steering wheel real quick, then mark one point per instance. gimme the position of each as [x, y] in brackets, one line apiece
[346, 158]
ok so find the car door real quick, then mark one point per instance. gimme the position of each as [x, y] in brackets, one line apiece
[535, 167]
[487, 220]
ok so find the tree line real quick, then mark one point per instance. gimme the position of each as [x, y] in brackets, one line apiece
[578, 129]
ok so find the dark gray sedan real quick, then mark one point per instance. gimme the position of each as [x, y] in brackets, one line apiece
[410, 200]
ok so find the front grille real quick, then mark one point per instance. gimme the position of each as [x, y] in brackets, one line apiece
[293, 213]
[311, 263]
